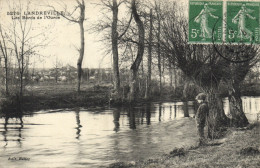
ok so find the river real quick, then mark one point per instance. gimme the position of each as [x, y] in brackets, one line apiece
[98, 137]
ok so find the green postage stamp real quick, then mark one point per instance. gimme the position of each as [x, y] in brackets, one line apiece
[241, 22]
[205, 21]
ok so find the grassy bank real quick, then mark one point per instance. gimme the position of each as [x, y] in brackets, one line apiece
[238, 149]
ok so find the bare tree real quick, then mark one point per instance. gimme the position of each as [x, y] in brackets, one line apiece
[79, 19]
[149, 75]
[114, 37]
[112, 33]
[5, 54]
[56, 69]
[22, 39]
[158, 36]
[140, 51]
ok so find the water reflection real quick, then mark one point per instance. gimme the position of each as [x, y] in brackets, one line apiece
[131, 116]
[5, 132]
[116, 116]
[160, 111]
[78, 128]
[186, 109]
[20, 132]
[9, 127]
[175, 110]
[93, 138]
[148, 114]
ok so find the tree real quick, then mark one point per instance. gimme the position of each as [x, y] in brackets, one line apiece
[5, 54]
[56, 69]
[158, 37]
[23, 40]
[114, 37]
[149, 75]
[112, 33]
[140, 51]
[79, 19]
[203, 64]
[200, 63]
[233, 79]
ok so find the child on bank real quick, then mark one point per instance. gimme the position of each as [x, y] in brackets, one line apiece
[201, 115]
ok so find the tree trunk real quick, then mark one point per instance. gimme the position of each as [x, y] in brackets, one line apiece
[81, 54]
[216, 117]
[159, 54]
[170, 73]
[238, 74]
[82, 42]
[140, 51]
[133, 84]
[175, 79]
[6, 77]
[236, 109]
[185, 99]
[149, 75]
[115, 47]
[21, 84]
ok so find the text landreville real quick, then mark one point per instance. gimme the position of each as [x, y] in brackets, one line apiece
[44, 13]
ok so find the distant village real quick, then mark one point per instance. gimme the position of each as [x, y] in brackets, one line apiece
[68, 73]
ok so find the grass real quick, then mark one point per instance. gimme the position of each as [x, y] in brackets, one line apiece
[239, 148]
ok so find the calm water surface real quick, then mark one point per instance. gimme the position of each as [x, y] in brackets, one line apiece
[98, 137]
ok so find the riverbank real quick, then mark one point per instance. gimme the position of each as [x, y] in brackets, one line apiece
[44, 97]
[238, 148]
[62, 96]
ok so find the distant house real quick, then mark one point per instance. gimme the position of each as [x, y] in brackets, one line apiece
[62, 78]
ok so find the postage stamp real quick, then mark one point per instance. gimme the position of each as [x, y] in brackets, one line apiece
[242, 22]
[205, 21]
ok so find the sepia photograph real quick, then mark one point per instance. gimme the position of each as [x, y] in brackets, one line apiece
[129, 83]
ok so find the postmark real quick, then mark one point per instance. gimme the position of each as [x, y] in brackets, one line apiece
[205, 21]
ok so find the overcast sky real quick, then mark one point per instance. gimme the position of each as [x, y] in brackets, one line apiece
[65, 36]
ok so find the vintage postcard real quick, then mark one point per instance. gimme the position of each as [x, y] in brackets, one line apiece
[129, 83]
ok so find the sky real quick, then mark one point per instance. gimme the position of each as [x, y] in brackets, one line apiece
[64, 37]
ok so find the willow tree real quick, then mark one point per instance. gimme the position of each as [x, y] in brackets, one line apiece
[200, 63]
[235, 75]
[207, 67]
